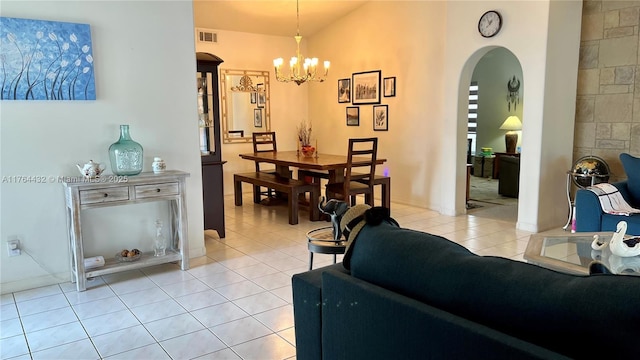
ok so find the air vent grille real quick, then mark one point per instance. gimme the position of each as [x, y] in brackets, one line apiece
[207, 36]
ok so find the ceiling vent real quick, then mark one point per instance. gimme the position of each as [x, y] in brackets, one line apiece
[207, 36]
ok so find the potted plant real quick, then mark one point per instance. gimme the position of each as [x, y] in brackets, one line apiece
[304, 136]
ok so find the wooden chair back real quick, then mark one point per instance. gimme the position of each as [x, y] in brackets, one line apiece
[264, 142]
[362, 156]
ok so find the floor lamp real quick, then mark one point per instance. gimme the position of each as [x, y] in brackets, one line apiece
[512, 124]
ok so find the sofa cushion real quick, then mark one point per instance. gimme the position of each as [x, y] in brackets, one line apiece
[555, 310]
[631, 166]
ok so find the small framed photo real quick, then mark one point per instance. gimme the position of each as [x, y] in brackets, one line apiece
[366, 87]
[353, 116]
[254, 97]
[390, 86]
[261, 96]
[381, 118]
[344, 90]
[257, 118]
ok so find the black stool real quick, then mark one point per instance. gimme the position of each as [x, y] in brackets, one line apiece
[321, 241]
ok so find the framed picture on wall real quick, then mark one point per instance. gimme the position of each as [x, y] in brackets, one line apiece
[366, 87]
[353, 116]
[381, 118]
[257, 118]
[254, 97]
[344, 90]
[261, 95]
[389, 86]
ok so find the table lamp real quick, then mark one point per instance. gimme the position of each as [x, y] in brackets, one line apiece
[512, 124]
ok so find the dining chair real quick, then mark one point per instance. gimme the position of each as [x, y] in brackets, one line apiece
[362, 156]
[264, 142]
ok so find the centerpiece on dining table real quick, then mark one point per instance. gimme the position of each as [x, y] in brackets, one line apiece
[304, 139]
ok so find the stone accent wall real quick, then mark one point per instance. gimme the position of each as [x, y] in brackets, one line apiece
[608, 98]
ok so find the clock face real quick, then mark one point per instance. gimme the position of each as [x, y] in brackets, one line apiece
[490, 23]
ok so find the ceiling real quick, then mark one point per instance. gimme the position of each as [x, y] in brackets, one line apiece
[270, 17]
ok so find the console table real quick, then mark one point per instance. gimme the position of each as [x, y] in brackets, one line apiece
[111, 190]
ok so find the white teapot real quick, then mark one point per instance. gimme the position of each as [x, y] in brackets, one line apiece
[91, 169]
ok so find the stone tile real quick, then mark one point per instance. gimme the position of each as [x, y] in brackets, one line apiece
[613, 108]
[634, 144]
[603, 131]
[611, 19]
[610, 144]
[618, 32]
[614, 89]
[620, 131]
[591, 6]
[608, 76]
[636, 110]
[588, 56]
[618, 51]
[592, 27]
[629, 16]
[584, 109]
[588, 81]
[624, 74]
[616, 4]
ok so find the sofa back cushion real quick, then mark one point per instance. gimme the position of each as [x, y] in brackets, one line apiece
[565, 313]
[631, 167]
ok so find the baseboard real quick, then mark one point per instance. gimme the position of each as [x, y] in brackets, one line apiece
[34, 282]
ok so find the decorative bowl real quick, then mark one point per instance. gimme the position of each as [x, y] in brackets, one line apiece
[308, 150]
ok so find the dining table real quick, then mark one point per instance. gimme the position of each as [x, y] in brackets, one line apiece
[285, 160]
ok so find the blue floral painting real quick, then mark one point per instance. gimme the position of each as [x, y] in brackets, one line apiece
[45, 60]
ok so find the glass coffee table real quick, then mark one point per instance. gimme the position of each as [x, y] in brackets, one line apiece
[572, 253]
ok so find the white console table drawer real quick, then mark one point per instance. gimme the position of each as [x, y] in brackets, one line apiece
[98, 196]
[156, 190]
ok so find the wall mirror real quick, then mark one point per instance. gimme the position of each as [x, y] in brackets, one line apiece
[244, 104]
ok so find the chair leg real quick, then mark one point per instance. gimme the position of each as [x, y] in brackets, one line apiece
[237, 192]
[368, 199]
[310, 260]
[256, 194]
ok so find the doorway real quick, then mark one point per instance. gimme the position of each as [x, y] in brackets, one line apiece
[496, 87]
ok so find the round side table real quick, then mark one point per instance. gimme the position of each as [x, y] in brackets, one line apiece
[321, 241]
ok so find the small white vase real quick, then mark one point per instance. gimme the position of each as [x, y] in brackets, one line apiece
[158, 165]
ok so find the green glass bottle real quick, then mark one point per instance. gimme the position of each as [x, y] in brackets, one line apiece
[125, 154]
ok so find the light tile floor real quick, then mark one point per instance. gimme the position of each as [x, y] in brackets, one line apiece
[234, 303]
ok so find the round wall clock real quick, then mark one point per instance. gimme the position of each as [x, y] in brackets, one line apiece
[490, 23]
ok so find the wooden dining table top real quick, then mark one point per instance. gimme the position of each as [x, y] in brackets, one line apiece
[296, 159]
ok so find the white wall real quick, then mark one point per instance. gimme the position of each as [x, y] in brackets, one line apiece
[145, 77]
[402, 39]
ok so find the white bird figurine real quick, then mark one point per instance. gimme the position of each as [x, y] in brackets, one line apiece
[596, 244]
[621, 247]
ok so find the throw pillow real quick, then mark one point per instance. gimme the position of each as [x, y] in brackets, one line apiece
[631, 167]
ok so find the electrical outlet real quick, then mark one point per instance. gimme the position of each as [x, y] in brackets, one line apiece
[13, 247]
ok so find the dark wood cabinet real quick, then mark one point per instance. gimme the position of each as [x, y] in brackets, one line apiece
[210, 143]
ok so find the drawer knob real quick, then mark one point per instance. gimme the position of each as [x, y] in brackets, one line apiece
[105, 194]
[157, 190]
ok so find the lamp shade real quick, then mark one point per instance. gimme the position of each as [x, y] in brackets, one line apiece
[512, 123]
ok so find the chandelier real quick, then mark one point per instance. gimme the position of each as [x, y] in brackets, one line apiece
[300, 71]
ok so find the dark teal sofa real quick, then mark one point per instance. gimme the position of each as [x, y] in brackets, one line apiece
[413, 295]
